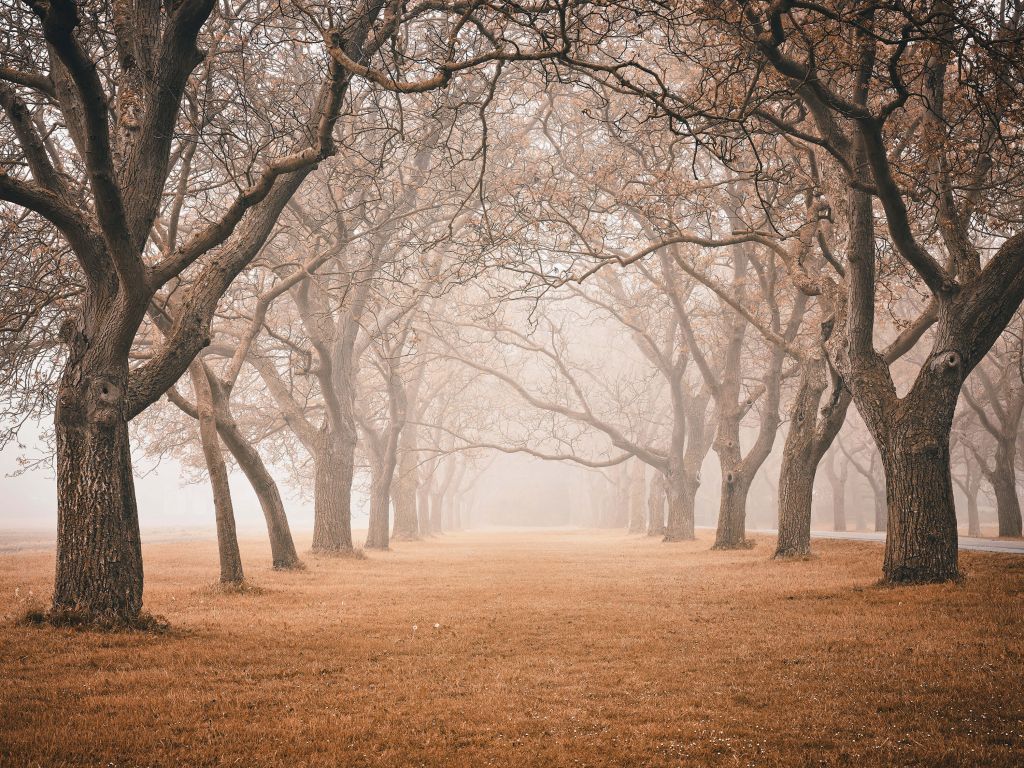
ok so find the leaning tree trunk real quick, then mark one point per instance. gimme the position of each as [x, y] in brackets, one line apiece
[227, 536]
[99, 551]
[380, 503]
[656, 506]
[1004, 484]
[333, 469]
[282, 546]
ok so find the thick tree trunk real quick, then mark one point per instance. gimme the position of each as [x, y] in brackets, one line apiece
[656, 506]
[681, 496]
[380, 507]
[921, 546]
[333, 468]
[732, 511]
[796, 496]
[99, 552]
[1004, 483]
[732, 515]
[227, 536]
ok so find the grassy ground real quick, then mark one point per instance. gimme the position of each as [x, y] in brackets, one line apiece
[519, 649]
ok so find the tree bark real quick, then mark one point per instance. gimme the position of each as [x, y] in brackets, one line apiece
[921, 546]
[1004, 483]
[732, 515]
[681, 493]
[99, 551]
[656, 506]
[227, 536]
[282, 546]
[333, 469]
[800, 458]
[380, 507]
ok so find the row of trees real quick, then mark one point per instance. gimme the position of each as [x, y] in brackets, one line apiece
[629, 230]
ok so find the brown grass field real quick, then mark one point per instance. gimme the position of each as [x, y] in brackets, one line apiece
[526, 649]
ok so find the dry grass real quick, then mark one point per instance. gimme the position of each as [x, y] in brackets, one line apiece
[529, 649]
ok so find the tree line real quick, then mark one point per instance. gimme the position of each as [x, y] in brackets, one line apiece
[381, 239]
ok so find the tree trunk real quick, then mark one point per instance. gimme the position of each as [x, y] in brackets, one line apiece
[656, 506]
[732, 515]
[732, 512]
[837, 482]
[404, 494]
[456, 510]
[333, 468]
[380, 503]
[973, 518]
[1004, 483]
[637, 482]
[227, 536]
[796, 496]
[436, 512]
[681, 495]
[99, 551]
[881, 507]
[921, 546]
[800, 458]
[282, 546]
[423, 508]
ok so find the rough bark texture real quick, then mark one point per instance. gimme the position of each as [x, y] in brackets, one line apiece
[227, 536]
[800, 458]
[1004, 483]
[333, 469]
[922, 542]
[99, 552]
